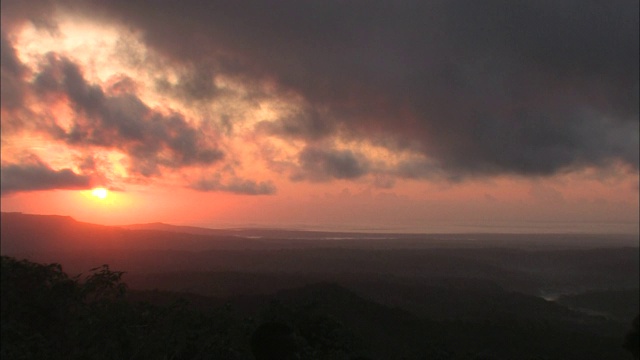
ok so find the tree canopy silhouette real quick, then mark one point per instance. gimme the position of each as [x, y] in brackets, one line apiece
[632, 341]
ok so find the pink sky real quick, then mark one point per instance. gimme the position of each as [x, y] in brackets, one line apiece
[235, 116]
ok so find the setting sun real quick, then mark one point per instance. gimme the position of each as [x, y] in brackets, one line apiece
[100, 193]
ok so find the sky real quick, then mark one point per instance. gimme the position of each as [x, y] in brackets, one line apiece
[430, 116]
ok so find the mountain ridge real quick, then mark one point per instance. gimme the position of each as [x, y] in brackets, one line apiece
[244, 237]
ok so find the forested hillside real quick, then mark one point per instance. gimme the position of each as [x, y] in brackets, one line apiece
[48, 314]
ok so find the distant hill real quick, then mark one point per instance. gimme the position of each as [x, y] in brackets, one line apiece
[24, 233]
[334, 316]
[520, 266]
[618, 304]
[175, 228]
[53, 225]
[270, 233]
[383, 332]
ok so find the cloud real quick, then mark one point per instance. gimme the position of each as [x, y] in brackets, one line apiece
[36, 175]
[12, 85]
[151, 138]
[193, 85]
[15, 13]
[473, 88]
[307, 124]
[483, 88]
[10, 62]
[326, 164]
[236, 186]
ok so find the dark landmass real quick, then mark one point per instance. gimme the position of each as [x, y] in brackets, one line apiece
[590, 264]
[382, 296]
[618, 304]
[408, 240]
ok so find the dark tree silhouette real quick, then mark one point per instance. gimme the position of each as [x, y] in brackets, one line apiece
[274, 341]
[48, 315]
[632, 341]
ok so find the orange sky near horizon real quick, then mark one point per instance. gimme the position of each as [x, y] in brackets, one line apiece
[94, 101]
[504, 206]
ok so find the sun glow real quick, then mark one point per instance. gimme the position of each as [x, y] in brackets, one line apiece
[100, 193]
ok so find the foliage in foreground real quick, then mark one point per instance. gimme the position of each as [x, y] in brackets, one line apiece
[48, 315]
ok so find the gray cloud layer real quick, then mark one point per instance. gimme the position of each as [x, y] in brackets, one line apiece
[479, 87]
[236, 186]
[39, 176]
[325, 164]
[12, 72]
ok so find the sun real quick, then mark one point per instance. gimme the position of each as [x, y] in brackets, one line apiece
[100, 193]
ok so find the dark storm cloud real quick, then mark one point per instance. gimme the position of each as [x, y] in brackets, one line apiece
[12, 85]
[478, 87]
[483, 87]
[308, 124]
[10, 62]
[325, 164]
[193, 85]
[568, 38]
[36, 175]
[236, 186]
[123, 121]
